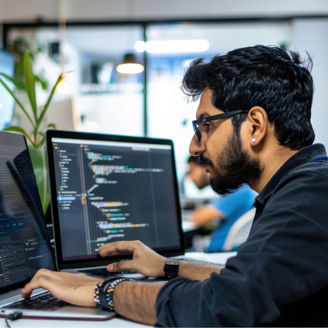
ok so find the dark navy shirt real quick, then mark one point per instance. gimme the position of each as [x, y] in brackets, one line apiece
[279, 276]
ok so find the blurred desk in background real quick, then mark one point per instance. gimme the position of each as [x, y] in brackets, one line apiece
[216, 258]
[190, 231]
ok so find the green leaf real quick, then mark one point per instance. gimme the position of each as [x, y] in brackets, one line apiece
[30, 82]
[59, 79]
[15, 128]
[43, 83]
[19, 84]
[20, 67]
[52, 126]
[17, 101]
[18, 81]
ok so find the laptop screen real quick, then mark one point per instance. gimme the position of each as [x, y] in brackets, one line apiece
[24, 245]
[108, 188]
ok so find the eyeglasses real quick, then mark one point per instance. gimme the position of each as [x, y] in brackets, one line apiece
[197, 123]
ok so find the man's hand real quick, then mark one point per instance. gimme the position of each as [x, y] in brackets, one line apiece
[144, 260]
[77, 289]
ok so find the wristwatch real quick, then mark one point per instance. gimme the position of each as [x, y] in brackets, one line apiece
[171, 268]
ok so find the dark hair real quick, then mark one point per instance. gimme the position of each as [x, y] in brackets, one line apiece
[264, 76]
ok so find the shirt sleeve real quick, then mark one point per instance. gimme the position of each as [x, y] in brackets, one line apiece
[284, 260]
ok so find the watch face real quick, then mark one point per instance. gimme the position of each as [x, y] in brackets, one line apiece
[171, 269]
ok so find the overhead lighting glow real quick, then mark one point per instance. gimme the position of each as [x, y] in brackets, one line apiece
[130, 68]
[130, 65]
[172, 46]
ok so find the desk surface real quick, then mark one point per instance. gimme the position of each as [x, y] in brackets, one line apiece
[115, 322]
[218, 258]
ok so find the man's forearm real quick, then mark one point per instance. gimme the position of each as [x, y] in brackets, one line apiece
[136, 300]
[197, 270]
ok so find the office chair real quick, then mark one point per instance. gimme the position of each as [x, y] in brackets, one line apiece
[239, 231]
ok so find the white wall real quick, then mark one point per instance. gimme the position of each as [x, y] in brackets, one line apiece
[29, 10]
[311, 36]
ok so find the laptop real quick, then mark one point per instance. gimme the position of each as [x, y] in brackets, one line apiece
[24, 243]
[107, 188]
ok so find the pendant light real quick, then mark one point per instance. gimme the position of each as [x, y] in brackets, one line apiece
[130, 65]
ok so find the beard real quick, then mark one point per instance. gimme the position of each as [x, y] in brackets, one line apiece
[236, 167]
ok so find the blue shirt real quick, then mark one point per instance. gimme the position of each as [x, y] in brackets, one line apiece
[232, 206]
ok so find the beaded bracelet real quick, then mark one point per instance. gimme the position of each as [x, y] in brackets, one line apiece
[104, 292]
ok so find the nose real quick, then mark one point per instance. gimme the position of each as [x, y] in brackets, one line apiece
[196, 148]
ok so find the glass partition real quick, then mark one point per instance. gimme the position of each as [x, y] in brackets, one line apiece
[169, 112]
[116, 103]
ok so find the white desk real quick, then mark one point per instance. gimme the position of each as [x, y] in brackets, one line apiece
[115, 322]
[188, 226]
[217, 258]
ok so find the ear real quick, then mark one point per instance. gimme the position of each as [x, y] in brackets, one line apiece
[258, 124]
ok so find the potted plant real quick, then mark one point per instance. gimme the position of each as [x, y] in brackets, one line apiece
[36, 134]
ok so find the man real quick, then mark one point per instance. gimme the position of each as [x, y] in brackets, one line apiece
[227, 209]
[253, 125]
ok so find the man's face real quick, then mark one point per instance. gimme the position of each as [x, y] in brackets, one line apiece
[197, 175]
[221, 151]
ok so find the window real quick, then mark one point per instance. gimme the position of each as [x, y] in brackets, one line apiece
[169, 113]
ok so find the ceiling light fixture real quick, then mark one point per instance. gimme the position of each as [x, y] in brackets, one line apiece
[172, 46]
[130, 65]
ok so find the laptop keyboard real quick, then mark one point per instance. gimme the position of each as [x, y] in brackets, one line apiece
[44, 302]
[104, 272]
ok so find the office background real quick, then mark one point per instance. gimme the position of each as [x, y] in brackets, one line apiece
[93, 37]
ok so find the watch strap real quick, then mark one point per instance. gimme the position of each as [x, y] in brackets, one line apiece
[171, 269]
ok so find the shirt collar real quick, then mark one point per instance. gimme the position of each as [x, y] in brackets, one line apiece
[304, 155]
